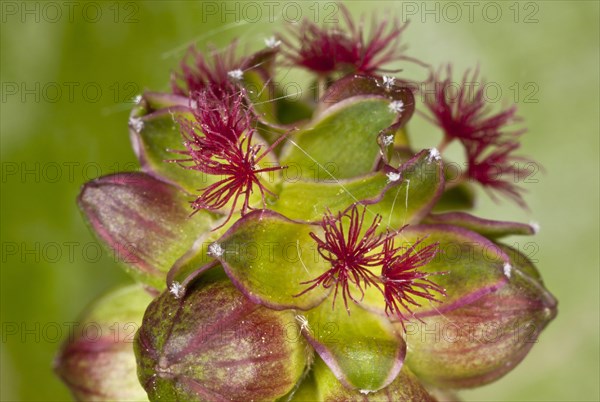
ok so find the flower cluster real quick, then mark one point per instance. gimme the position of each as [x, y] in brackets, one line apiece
[291, 235]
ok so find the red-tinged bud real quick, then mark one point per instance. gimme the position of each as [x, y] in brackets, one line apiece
[483, 339]
[214, 344]
[98, 363]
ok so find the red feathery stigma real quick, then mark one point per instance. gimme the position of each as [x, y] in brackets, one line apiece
[460, 109]
[218, 73]
[237, 165]
[402, 281]
[497, 170]
[350, 253]
[222, 120]
[325, 50]
[219, 142]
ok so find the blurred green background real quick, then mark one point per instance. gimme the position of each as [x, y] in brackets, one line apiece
[70, 70]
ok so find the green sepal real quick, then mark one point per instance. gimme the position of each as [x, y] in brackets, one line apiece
[154, 140]
[356, 85]
[341, 142]
[362, 349]
[268, 256]
[323, 386]
[421, 177]
[456, 198]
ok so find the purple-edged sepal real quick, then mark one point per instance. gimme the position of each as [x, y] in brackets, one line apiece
[489, 228]
[467, 266]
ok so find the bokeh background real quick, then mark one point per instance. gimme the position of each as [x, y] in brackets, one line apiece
[69, 72]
